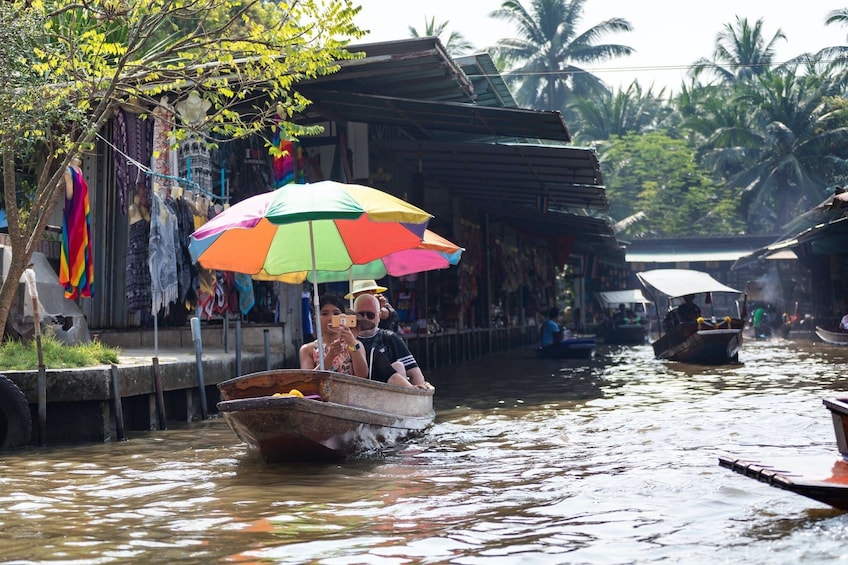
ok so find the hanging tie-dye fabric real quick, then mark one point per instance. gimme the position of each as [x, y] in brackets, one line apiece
[76, 269]
[285, 164]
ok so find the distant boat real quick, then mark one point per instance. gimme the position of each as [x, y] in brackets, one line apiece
[301, 415]
[628, 328]
[570, 348]
[832, 335]
[711, 339]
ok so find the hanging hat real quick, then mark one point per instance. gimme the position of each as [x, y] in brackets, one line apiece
[358, 287]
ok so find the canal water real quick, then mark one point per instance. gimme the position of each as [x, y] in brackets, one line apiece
[613, 460]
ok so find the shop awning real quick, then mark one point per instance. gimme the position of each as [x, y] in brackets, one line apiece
[827, 237]
[612, 298]
[684, 256]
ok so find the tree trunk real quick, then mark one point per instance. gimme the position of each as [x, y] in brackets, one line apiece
[23, 240]
[16, 267]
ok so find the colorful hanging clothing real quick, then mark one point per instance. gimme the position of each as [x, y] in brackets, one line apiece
[206, 291]
[162, 262]
[76, 269]
[163, 161]
[132, 138]
[286, 164]
[138, 273]
[246, 297]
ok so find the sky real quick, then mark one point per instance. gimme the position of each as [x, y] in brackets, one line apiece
[667, 36]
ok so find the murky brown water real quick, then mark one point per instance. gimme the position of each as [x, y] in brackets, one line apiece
[529, 461]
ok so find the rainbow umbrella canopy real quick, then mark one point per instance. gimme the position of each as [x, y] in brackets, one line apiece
[321, 226]
[434, 252]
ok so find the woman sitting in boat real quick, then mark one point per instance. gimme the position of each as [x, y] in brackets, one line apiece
[343, 353]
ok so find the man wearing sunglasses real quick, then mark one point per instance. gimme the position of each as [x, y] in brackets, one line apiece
[386, 342]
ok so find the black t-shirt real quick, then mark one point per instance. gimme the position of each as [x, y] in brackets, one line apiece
[391, 345]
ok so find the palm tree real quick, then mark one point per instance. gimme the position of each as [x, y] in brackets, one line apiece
[741, 52]
[456, 43]
[786, 146]
[549, 54]
[624, 111]
[836, 55]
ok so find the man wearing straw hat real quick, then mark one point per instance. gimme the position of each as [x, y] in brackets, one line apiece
[388, 315]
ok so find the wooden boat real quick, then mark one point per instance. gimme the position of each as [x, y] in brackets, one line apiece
[571, 348]
[714, 338]
[838, 408]
[823, 478]
[832, 335]
[632, 328]
[302, 415]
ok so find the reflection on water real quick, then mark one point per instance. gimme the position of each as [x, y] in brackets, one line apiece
[612, 460]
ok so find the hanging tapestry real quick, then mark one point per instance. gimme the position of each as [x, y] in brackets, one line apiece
[137, 271]
[286, 164]
[162, 262]
[76, 270]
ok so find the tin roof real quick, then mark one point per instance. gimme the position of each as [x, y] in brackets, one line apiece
[417, 68]
[541, 178]
[463, 130]
[425, 119]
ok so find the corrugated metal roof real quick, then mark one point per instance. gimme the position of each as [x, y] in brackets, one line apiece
[544, 189]
[425, 119]
[490, 89]
[827, 219]
[538, 177]
[417, 68]
[414, 85]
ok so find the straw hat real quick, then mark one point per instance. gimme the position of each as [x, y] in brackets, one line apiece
[358, 287]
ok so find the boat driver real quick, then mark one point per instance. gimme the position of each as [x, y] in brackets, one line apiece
[688, 311]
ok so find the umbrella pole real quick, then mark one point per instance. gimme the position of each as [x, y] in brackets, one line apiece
[315, 300]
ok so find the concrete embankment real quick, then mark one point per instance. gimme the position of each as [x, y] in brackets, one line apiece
[81, 403]
[154, 384]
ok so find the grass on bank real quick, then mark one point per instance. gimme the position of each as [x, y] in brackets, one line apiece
[19, 356]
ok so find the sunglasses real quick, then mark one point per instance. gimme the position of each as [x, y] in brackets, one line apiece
[369, 315]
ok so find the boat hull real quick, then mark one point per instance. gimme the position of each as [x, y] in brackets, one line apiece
[573, 348]
[824, 479]
[338, 416]
[838, 408]
[701, 344]
[832, 336]
[627, 334]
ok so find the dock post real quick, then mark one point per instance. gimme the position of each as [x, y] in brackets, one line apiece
[160, 395]
[198, 359]
[119, 409]
[32, 289]
[266, 342]
[238, 347]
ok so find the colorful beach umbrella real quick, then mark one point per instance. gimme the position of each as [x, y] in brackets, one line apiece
[321, 226]
[434, 252]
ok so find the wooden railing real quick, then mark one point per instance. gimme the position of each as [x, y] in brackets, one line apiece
[454, 346]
